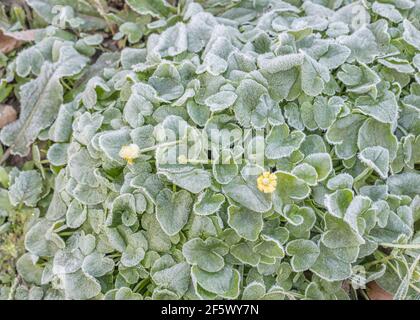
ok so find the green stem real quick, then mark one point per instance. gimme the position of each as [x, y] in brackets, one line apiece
[362, 175]
[382, 260]
[168, 144]
[141, 285]
[401, 246]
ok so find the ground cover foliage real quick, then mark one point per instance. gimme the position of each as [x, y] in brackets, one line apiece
[91, 209]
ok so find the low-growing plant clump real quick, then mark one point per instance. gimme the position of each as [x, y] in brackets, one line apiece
[218, 149]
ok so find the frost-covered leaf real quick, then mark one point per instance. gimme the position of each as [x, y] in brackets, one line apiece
[40, 101]
[156, 8]
[376, 158]
[248, 224]
[208, 203]
[80, 286]
[224, 283]
[246, 193]
[343, 134]
[207, 255]
[281, 142]
[304, 254]
[26, 188]
[173, 210]
[411, 34]
[373, 133]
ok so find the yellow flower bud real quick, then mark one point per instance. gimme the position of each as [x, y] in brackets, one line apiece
[267, 182]
[129, 152]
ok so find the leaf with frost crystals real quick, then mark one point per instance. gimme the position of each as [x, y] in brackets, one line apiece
[168, 274]
[29, 270]
[332, 264]
[224, 283]
[195, 180]
[80, 286]
[156, 8]
[335, 56]
[387, 11]
[281, 142]
[173, 41]
[97, 265]
[359, 79]
[411, 34]
[173, 210]
[84, 15]
[304, 254]
[208, 203]
[374, 133]
[39, 240]
[289, 188]
[207, 255]
[314, 76]
[247, 223]
[343, 134]
[221, 100]
[123, 211]
[281, 63]
[40, 101]
[368, 42]
[249, 93]
[246, 194]
[404, 184]
[376, 158]
[26, 189]
[383, 109]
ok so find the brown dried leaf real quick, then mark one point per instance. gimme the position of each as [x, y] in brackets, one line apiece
[10, 41]
[26, 35]
[8, 44]
[8, 114]
[375, 292]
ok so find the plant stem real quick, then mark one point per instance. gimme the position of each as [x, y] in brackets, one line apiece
[401, 246]
[168, 144]
[142, 284]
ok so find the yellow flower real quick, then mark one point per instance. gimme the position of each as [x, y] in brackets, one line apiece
[182, 159]
[129, 152]
[267, 182]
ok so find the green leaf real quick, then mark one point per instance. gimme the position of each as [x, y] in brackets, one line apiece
[404, 184]
[173, 210]
[322, 164]
[26, 188]
[168, 274]
[247, 223]
[123, 211]
[383, 109]
[207, 255]
[208, 203]
[40, 101]
[411, 34]
[281, 142]
[289, 188]
[373, 133]
[343, 134]
[221, 100]
[246, 194]
[330, 264]
[314, 76]
[304, 254]
[224, 283]
[156, 8]
[80, 286]
[376, 158]
[387, 11]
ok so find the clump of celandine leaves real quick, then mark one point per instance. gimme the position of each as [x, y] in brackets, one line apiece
[229, 149]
